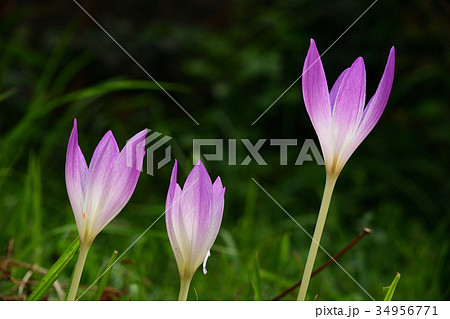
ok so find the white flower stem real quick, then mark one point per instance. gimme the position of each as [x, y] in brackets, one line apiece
[328, 191]
[84, 249]
[185, 281]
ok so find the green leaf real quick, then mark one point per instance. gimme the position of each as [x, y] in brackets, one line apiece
[390, 292]
[105, 276]
[54, 272]
[256, 282]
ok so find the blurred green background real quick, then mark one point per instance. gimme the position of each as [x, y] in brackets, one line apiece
[225, 62]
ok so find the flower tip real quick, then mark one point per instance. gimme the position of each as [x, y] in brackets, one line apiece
[199, 163]
[218, 182]
[109, 134]
[312, 45]
[390, 64]
[392, 54]
[173, 178]
[74, 133]
[142, 134]
[359, 62]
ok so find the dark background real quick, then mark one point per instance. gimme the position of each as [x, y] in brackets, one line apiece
[225, 62]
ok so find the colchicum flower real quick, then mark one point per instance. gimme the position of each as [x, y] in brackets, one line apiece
[341, 122]
[338, 116]
[193, 217]
[99, 192]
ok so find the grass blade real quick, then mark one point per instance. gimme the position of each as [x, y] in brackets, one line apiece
[54, 272]
[104, 280]
[391, 290]
[256, 282]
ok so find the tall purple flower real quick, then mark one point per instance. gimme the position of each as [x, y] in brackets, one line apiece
[339, 117]
[99, 192]
[193, 217]
[341, 122]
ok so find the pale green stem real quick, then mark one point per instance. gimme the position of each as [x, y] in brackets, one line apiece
[84, 249]
[185, 281]
[328, 191]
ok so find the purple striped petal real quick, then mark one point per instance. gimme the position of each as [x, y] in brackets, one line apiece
[196, 200]
[335, 88]
[349, 103]
[315, 89]
[177, 233]
[317, 100]
[193, 217]
[375, 107]
[217, 207]
[171, 192]
[122, 180]
[378, 102]
[100, 168]
[215, 220]
[76, 176]
[174, 222]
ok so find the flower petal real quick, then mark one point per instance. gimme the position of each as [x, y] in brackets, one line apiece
[100, 167]
[317, 100]
[217, 210]
[349, 103]
[197, 196]
[315, 90]
[175, 229]
[171, 191]
[196, 205]
[76, 177]
[122, 181]
[335, 88]
[375, 107]
[377, 103]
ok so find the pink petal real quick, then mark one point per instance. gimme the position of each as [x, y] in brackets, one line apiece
[213, 224]
[122, 180]
[197, 193]
[216, 212]
[349, 103]
[178, 237]
[317, 100]
[378, 102]
[196, 205]
[100, 168]
[217, 206]
[375, 107]
[76, 176]
[315, 90]
[335, 88]
[171, 191]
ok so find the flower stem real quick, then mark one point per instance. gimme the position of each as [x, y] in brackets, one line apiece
[84, 249]
[185, 281]
[328, 191]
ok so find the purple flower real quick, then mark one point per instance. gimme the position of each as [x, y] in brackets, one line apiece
[99, 192]
[193, 217]
[339, 117]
